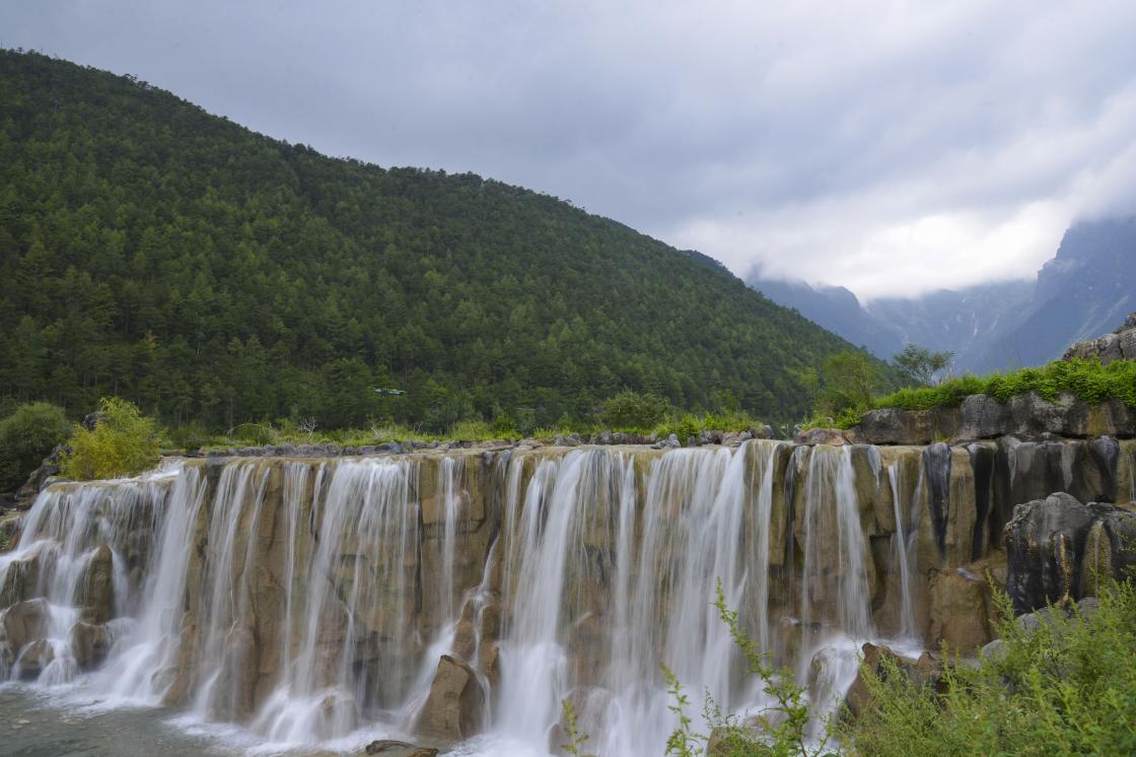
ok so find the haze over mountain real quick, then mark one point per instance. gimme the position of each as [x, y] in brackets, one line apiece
[1085, 290]
[151, 250]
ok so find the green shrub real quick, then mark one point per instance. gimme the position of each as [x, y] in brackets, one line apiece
[256, 434]
[124, 442]
[192, 436]
[1068, 687]
[471, 430]
[27, 436]
[632, 411]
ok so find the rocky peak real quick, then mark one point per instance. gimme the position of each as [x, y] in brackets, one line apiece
[1119, 345]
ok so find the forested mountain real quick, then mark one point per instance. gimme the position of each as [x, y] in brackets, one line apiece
[153, 251]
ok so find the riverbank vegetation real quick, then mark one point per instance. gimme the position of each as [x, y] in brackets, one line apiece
[1064, 686]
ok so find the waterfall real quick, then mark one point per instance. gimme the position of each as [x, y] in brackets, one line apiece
[902, 550]
[366, 528]
[78, 547]
[835, 606]
[309, 601]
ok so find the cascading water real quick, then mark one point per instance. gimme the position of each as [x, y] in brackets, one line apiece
[309, 599]
[835, 601]
[902, 552]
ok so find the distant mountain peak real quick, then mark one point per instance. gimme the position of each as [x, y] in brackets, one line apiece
[1088, 284]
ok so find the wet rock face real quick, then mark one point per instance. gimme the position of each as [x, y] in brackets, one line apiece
[96, 587]
[455, 707]
[90, 644]
[25, 622]
[1058, 548]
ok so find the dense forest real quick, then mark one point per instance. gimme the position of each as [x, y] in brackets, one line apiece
[153, 251]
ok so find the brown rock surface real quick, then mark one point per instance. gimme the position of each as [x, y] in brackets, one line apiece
[455, 708]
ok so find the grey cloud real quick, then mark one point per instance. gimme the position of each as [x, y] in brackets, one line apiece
[888, 147]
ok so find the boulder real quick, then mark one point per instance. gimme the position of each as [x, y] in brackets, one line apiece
[814, 436]
[925, 671]
[726, 741]
[25, 622]
[392, 748]
[90, 644]
[34, 659]
[95, 593]
[959, 613]
[455, 707]
[1040, 549]
[996, 650]
[10, 525]
[1059, 549]
[19, 580]
[40, 477]
[982, 417]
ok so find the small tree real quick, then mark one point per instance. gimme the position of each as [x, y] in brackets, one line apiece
[122, 443]
[632, 410]
[920, 366]
[26, 437]
[848, 379]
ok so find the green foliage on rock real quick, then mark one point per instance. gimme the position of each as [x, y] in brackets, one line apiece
[27, 436]
[213, 275]
[1067, 687]
[123, 443]
[1085, 379]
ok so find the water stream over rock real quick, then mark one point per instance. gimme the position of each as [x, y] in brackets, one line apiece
[460, 597]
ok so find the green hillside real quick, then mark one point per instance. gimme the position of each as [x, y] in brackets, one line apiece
[156, 252]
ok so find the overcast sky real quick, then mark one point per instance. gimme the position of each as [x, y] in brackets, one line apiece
[890, 147]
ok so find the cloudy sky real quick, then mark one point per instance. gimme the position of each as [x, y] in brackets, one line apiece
[891, 147]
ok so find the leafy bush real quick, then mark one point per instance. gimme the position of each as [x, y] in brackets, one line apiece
[26, 437]
[633, 411]
[192, 436]
[253, 433]
[1068, 687]
[123, 442]
[471, 431]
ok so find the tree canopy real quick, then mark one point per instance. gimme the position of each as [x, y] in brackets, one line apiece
[155, 252]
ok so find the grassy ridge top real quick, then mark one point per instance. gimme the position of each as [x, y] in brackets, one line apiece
[156, 252]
